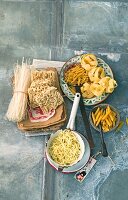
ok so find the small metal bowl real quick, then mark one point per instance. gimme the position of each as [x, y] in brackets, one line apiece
[104, 106]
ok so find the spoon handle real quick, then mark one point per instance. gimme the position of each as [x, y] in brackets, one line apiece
[72, 117]
[104, 148]
[88, 133]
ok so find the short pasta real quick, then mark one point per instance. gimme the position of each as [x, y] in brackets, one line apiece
[91, 77]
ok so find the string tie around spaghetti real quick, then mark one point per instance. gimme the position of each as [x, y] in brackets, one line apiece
[21, 92]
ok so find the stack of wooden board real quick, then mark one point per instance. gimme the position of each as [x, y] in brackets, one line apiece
[52, 124]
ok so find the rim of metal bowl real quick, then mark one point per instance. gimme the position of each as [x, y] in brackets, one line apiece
[80, 140]
[91, 99]
[102, 106]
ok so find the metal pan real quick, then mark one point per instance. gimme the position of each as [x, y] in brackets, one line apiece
[70, 126]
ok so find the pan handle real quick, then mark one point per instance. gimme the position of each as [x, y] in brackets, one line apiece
[72, 117]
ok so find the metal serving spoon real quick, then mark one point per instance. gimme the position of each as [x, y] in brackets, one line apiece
[104, 148]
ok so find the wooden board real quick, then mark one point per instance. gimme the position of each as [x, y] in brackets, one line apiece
[54, 123]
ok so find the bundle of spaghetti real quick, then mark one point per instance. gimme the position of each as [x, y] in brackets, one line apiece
[65, 148]
[18, 105]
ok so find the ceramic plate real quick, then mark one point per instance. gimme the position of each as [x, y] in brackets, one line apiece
[70, 95]
[80, 164]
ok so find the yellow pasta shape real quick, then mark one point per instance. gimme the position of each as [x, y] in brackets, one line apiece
[98, 115]
[88, 71]
[88, 61]
[76, 75]
[98, 109]
[111, 117]
[99, 120]
[107, 118]
[93, 118]
[107, 113]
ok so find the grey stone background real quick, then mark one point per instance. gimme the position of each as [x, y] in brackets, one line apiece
[53, 30]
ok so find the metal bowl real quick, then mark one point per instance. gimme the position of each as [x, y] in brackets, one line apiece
[82, 147]
[104, 106]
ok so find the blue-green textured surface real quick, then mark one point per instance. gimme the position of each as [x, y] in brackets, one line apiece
[53, 30]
